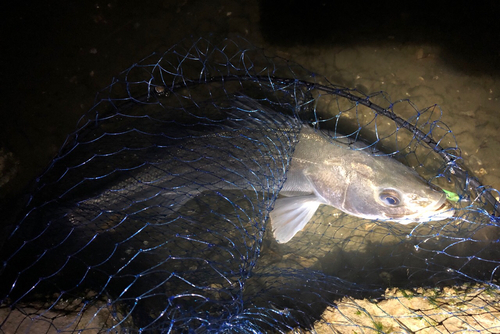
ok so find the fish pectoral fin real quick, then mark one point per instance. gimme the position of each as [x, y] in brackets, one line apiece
[291, 214]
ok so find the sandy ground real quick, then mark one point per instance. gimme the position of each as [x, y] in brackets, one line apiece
[448, 310]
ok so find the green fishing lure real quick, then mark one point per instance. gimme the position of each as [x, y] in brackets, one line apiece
[451, 196]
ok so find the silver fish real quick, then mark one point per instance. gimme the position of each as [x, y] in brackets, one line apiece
[327, 171]
[322, 171]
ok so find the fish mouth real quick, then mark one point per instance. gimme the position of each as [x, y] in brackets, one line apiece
[442, 209]
[443, 205]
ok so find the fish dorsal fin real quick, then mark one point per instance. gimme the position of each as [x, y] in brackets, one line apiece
[291, 214]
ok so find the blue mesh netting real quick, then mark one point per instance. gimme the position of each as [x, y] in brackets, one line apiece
[154, 215]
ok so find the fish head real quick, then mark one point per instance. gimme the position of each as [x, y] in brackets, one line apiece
[385, 189]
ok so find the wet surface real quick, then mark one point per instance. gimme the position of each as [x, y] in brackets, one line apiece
[59, 55]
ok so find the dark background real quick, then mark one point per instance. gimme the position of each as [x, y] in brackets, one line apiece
[57, 54]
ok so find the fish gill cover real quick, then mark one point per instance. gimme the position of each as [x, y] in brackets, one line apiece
[154, 216]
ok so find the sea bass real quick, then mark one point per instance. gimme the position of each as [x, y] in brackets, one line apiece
[250, 150]
[351, 179]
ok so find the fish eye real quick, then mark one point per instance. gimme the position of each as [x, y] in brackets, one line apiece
[389, 197]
